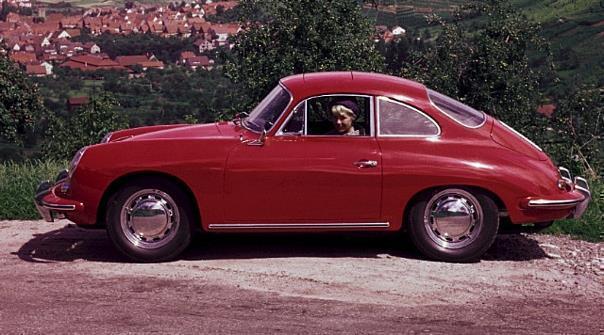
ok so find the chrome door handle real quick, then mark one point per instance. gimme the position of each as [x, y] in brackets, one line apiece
[365, 163]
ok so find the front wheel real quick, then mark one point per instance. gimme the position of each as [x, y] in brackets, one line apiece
[453, 224]
[149, 221]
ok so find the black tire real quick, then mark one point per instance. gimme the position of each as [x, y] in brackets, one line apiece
[149, 220]
[453, 224]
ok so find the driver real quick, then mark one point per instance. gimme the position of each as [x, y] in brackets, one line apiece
[344, 112]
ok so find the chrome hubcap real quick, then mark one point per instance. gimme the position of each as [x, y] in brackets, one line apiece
[453, 218]
[149, 219]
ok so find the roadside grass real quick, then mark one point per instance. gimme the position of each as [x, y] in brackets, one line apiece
[591, 226]
[18, 183]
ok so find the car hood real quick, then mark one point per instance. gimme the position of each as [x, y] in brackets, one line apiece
[208, 130]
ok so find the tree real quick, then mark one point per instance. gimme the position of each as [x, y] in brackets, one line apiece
[86, 127]
[299, 36]
[577, 139]
[21, 106]
[487, 67]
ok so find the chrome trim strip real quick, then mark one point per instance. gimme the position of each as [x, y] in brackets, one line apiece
[539, 203]
[521, 136]
[58, 207]
[379, 134]
[298, 225]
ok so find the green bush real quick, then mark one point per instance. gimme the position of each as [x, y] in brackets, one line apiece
[18, 183]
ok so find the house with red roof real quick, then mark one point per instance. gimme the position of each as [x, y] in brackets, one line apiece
[200, 61]
[131, 60]
[36, 70]
[92, 63]
[23, 57]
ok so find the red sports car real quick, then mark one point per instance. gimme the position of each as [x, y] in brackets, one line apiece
[337, 151]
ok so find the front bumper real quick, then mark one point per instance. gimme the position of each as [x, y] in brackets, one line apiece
[577, 201]
[50, 205]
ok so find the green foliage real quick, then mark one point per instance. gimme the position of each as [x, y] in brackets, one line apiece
[18, 183]
[20, 104]
[577, 141]
[224, 16]
[590, 227]
[487, 66]
[159, 97]
[299, 36]
[88, 126]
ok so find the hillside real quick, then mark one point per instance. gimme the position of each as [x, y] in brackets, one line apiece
[575, 28]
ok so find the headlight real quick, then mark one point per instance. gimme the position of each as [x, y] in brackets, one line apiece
[106, 138]
[75, 161]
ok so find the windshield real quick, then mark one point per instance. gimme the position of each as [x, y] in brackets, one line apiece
[268, 110]
[459, 112]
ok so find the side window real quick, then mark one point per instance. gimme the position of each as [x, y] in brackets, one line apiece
[295, 124]
[339, 115]
[331, 115]
[398, 119]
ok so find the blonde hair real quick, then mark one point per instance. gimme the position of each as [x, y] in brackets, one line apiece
[338, 110]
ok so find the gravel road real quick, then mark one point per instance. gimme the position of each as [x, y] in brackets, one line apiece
[56, 278]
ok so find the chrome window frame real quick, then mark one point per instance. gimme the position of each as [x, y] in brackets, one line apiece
[484, 120]
[305, 101]
[379, 134]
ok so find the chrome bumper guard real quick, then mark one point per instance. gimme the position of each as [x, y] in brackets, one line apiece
[582, 186]
[49, 211]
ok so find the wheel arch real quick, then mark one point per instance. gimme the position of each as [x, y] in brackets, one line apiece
[133, 177]
[498, 201]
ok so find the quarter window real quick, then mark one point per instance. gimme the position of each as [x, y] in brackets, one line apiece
[398, 119]
[459, 112]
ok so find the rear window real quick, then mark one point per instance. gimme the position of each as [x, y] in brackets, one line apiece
[459, 112]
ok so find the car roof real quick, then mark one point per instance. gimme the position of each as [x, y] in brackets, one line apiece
[311, 84]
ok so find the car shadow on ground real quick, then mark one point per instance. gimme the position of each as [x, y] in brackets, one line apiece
[71, 243]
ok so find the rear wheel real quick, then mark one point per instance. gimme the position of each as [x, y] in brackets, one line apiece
[149, 220]
[453, 224]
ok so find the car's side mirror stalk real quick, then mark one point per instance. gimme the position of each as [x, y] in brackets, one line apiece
[259, 141]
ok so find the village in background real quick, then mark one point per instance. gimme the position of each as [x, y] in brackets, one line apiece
[76, 47]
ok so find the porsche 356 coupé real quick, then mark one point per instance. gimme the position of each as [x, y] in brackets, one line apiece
[337, 151]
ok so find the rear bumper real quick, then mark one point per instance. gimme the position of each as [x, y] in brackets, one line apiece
[50, 205]
[576, 201]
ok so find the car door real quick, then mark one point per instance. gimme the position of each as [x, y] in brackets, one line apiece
[302, 176]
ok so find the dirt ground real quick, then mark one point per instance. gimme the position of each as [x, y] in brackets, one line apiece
[56, 278]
